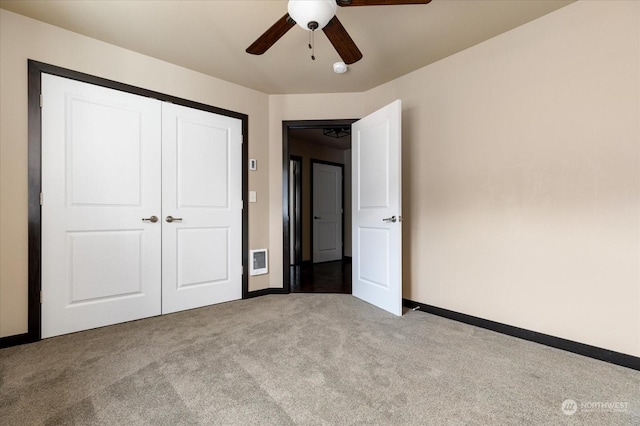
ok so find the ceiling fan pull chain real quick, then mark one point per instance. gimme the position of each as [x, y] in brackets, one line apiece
[311, 44]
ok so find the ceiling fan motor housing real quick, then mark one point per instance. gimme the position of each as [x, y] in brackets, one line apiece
[312, 14]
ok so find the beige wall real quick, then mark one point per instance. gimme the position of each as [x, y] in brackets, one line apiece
[21, 39]
[522, 176]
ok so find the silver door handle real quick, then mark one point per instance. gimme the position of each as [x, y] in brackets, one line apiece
[152, 219]
[173, 219]
[390, 219]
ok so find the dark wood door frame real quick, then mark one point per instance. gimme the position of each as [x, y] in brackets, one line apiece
[35, 71]
[297, 219]
[286, 127]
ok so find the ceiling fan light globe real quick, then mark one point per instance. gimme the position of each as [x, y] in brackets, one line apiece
[306, 11]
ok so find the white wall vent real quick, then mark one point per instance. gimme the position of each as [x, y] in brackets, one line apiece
[259, 262]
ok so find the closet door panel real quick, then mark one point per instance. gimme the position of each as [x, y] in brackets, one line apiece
[100, 178]
[202, 208]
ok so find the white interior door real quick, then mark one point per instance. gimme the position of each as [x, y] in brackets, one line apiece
[202, 192]
[377, 208]
[327, 212]
[100, 178]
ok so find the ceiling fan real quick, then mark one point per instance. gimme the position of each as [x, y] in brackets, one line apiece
[312, 15]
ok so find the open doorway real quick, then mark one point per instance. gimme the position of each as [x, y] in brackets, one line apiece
[307, 144]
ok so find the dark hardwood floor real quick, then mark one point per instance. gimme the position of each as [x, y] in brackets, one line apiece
[328, 277]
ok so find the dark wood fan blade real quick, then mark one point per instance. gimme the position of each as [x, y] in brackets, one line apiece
[342, 41]
[379, 2]
[273, 34]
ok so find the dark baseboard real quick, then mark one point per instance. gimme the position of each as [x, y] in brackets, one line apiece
[18, 339]
[595, 352]
[265, 291]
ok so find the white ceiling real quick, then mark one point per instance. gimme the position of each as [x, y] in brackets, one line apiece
[211, 36]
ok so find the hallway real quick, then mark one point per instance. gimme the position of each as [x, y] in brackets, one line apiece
[327, 277]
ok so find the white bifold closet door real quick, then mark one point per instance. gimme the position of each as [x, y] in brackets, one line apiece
[201, 191]
[114, 167]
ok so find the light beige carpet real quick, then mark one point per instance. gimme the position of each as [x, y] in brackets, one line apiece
[316, 359]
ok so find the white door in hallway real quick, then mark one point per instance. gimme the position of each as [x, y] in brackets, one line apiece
[377, 208]
[327, 212]
[100, 178]
[201, 208]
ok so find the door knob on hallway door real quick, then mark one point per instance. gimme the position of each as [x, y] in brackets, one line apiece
[390, 219]
[317, 217]
[173, 219]
[152, 219]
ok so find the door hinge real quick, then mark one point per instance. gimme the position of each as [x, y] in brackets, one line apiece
[41, 199]
[40, 100]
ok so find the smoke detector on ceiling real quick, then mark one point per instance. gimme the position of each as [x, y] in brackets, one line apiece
[340, 67]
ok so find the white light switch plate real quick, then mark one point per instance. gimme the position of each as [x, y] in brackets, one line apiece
[253, 164]
[252, 196]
